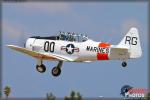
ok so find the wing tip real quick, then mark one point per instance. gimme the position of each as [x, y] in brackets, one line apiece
[12, 46]
[9, 46]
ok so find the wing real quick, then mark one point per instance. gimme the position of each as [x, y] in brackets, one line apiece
[45, 56]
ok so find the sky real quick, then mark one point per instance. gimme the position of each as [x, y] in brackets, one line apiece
[101, 21]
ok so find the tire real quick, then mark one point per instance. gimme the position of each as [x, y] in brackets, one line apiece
[56, 71]
[124, 64]
[41, 68]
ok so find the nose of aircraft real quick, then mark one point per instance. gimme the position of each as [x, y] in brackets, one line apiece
[29, 43]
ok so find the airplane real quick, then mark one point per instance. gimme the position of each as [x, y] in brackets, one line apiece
[77, 47]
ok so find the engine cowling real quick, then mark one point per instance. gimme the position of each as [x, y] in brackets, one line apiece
[29, 43]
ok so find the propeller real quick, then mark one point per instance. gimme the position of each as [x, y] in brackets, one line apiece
[22, 39]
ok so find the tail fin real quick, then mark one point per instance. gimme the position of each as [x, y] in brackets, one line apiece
[132, 41]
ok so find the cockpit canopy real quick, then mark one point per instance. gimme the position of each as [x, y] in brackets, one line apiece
[68, 36]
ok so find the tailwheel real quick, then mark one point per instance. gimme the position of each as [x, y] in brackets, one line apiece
[124, 64]
[56, 71]
[41, 68]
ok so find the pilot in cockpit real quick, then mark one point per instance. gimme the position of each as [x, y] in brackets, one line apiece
[68, 36]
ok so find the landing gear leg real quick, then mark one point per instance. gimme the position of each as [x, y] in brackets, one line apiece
[40, 67]
[124, 64]
[57, 70]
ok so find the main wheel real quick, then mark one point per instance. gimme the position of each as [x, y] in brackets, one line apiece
[56, 71]
[41, 68]
[124, 64]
